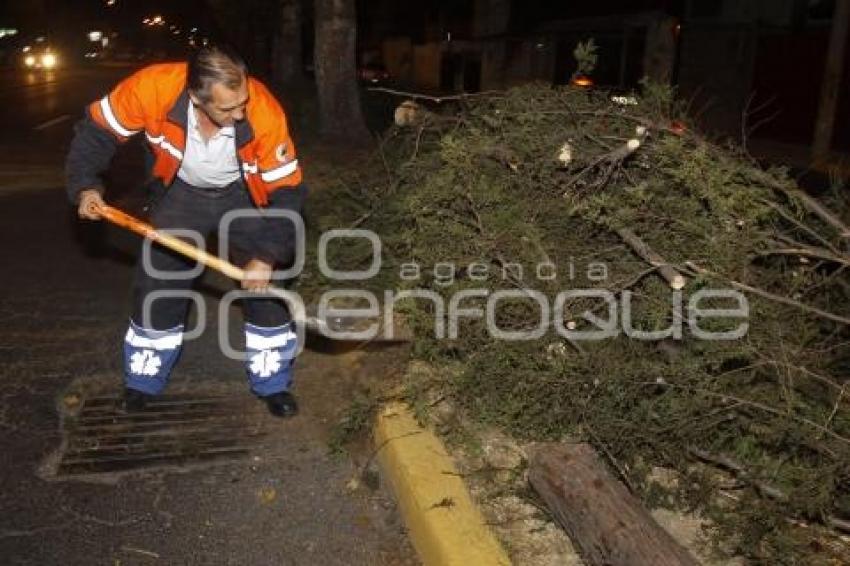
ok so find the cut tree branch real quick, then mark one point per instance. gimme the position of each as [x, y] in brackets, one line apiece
[768, 295]
[675, 279]
[764, 488]
[437, 99]
[811, 204]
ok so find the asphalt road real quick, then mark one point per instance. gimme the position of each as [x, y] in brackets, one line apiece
[63, 312]
[38, 109]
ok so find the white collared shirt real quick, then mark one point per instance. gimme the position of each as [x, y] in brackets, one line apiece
[210, 164]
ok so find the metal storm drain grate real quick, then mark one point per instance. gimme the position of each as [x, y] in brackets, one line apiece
[173, 430]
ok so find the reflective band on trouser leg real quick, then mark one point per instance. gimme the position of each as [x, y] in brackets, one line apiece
[270, 356]
[149, 356]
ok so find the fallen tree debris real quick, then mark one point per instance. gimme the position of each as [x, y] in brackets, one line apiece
[636, 233]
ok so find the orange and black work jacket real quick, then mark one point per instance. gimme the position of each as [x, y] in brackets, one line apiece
[155, 100]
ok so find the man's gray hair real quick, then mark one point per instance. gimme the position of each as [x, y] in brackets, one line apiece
[215, 64]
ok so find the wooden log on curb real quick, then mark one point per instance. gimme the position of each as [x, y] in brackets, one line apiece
[606, 523]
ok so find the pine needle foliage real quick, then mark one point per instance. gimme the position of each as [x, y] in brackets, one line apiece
[498, 185]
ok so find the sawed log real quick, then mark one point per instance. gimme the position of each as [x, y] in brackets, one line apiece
[606, 523]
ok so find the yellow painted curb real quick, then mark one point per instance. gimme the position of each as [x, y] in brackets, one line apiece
[445, 526]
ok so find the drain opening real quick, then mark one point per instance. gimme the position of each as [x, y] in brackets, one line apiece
[173, 430]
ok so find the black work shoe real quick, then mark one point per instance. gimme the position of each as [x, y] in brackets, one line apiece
[134, 400]
[282, 404]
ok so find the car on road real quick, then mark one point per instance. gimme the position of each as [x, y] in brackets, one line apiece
[39, 57]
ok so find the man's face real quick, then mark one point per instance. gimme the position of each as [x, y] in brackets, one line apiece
[226, 105]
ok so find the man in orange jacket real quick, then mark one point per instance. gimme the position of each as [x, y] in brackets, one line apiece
[220, 143]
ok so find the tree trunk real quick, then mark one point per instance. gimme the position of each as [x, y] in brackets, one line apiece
[660, 53]
[335, 59]
[489, 26]
[287, 44]
[606, 522]
[825, 124]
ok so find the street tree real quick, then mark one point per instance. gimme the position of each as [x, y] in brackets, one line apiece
[335, 57]
[287, 58]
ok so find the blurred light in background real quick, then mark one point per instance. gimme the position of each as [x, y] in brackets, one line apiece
[48, 60]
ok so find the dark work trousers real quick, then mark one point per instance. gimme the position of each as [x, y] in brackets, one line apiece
[154, 339]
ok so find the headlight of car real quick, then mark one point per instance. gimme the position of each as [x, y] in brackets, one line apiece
[49, 60]
[29, 60]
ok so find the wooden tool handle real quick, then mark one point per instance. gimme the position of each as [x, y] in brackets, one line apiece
[146, 230]
[296, 307]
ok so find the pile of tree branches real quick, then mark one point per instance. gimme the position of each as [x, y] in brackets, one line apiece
[541, 190]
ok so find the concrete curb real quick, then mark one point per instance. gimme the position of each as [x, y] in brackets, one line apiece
[444, 525]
